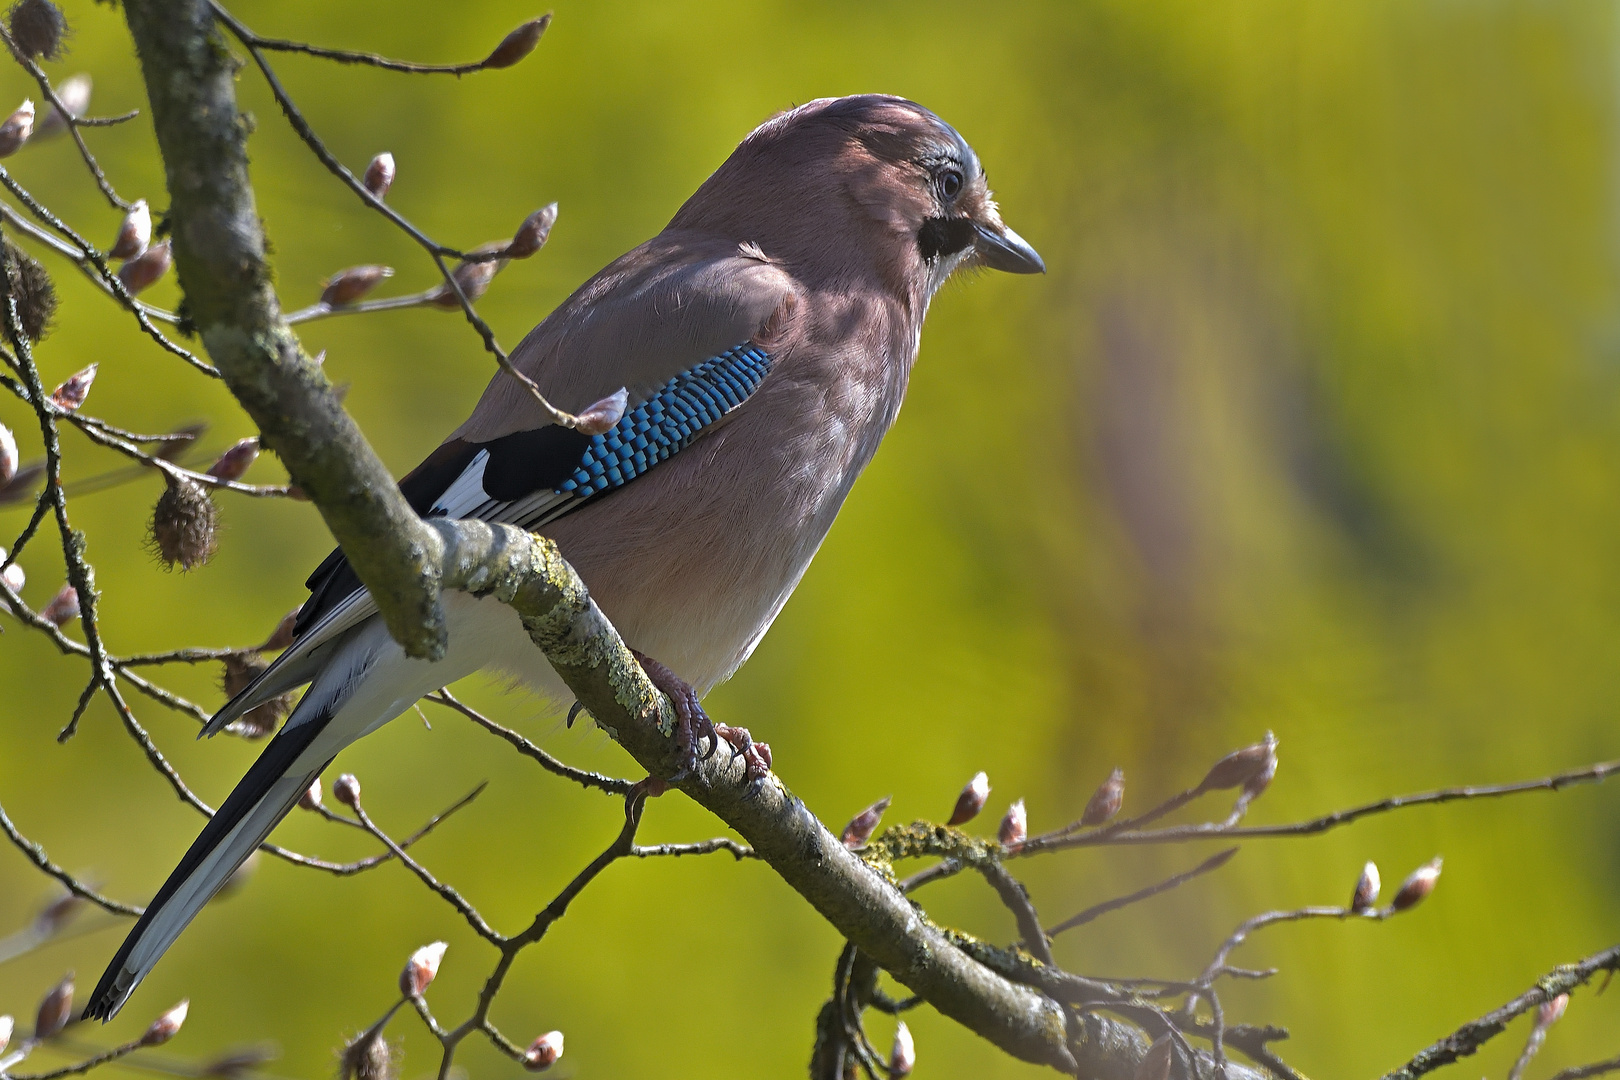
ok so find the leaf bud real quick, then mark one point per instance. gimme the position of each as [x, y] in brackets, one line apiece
[367, 1057]
[38, 27]
[63, 608]
[533, 233]
[518, 44]
[16, 129]
[971, 801]
[1241, 766]
[1014, 828]
[185, 524]
[862, 825]
[347, 286]
[1155, 1065]
[903, 1054]
[421, 969]
[603, 416]
[56, 914]
[235, 461]
[14, 577]
[71, 394]
[379, 176]
[544, 1052]
[145, 269]
[20, 486]
[55, 1009]
[166, 1026]
[1417, 886]
[1549, 1013]
[311, 799]
[74, 94]
[8, 455]
[1367, 886]
[1106, 800]
[134, 234]
[473, 277]
[346, 789]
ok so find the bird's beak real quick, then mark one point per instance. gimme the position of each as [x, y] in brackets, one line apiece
[999, 248]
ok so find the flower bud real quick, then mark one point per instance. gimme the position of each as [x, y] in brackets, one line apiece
[14, 577]
[533, 233]
[55, 1009]
[379, 175]
[971, 801]
[473, 277]
[1155, 1065]
[38, 26]
[861, 826]
[518, 44]
[185, 524]
[421, 969]
[1106, 800]
[1418, 885]
[63, 608]
[7, 1026]
[347, 286]
[1367, 886]
[1550, 1012]
[74, 94]
[544, 1052]
[368, 1057]
[235, 461]
[134, 234]
[1241, 766]
[601, 417]
[1014, 828]
[8, 455]
[903, 1055]
[71, 394]
[346, 789]
[144, 270]
[311, 799]
[16, 129]
[166, 1026]
[261, 720]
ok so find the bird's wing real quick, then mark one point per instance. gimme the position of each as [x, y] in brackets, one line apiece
[710, 327]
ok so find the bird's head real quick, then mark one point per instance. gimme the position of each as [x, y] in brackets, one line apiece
[843, 185]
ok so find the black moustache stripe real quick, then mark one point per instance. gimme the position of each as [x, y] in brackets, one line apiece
[944, 236]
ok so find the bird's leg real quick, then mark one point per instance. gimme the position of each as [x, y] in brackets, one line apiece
[692, 726]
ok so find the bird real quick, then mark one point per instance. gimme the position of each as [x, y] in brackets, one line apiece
[759, 348]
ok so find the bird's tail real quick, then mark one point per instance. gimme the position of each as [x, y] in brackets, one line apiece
[263, 797]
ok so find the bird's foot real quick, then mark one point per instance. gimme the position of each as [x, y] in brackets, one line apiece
[692, 724]
[756, 755]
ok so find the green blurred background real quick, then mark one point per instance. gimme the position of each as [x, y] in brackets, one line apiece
[1317, 428]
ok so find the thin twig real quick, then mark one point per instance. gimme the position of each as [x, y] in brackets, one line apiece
[582, 777]
[1214, 862]
[36, 855]
[349, 56]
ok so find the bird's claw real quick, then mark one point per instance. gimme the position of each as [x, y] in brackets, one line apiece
[692, 724]
[756, 756]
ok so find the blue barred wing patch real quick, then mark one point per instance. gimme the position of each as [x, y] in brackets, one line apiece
[666, 422]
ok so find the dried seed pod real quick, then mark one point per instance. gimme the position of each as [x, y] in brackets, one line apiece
[74, 94]
[38, 27]
[185, 524]
[1014, 827]
[145, 269]
[367, 1057]
[602, 416]
[544, 1052]
[347, 286]
[1156, 1064]
[379, 175]
[261, 720]
[473, 277]
[518, 44]
[421, 969]
[533, 233]
[971, 801]
[1367, 886]
[55, 1009]
[71, 394]
[1417, 886]
[234, 462]
[1241, 766]
[8, 455]
[16, 129]
[135, 232]
[63, 608]
[240, 669]
[346, 789]
[32, 286]
[1106, 800]
[166, 1026]
[311, 799]
[903, 1054]
[862, 825]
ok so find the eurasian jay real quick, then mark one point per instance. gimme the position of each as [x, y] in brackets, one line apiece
[764, 340]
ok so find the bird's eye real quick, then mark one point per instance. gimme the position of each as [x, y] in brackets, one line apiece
[950, 182]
